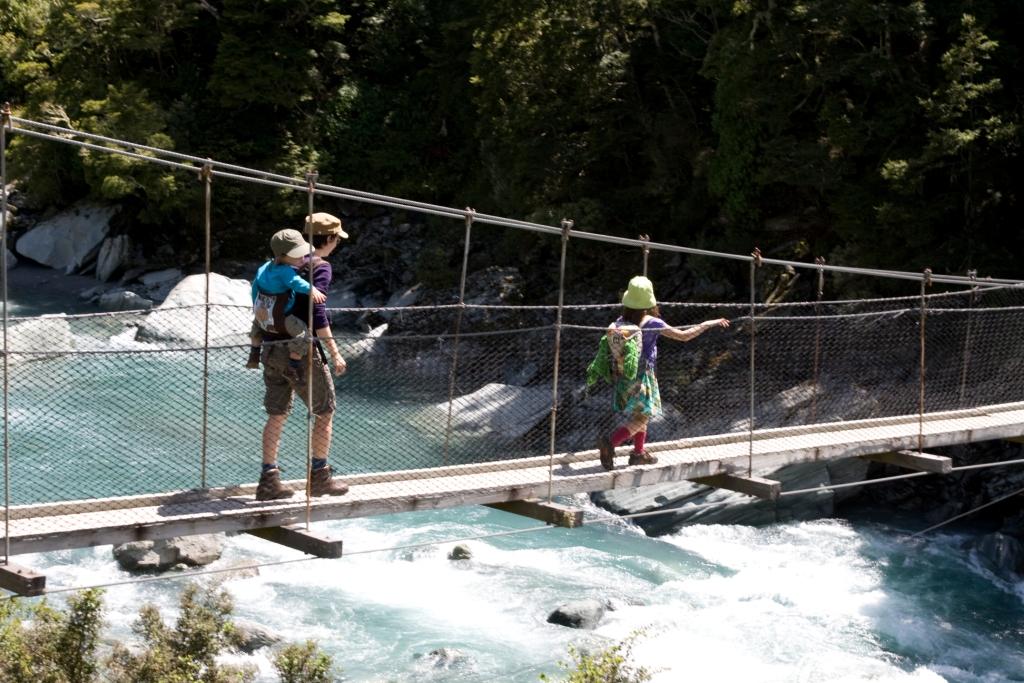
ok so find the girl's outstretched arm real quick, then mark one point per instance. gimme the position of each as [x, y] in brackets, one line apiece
[688, 333]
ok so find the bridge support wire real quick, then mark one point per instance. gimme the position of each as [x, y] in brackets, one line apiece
[754, 263]
[206, 176]
[646, 239]
[817, 338]
[5, 122]
[311, 178]
[566, 228]
[965, 363]
[458, 326]
[926, 280]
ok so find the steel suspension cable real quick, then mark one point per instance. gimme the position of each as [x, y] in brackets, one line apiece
[969, 512]
[817, 338]
[754, 263]
[458, 326]
[206, 175]
[925, 281]
[311, 178]
[59, 134]
[967, 339]
[566, 229]
[5, 122]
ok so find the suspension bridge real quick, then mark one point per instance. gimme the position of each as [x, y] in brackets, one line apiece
[143, 425]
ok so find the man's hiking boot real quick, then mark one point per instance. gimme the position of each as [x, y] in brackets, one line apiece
[294, 375]
[321, 484]
[254, 358]
[642, 458]
[604, 446]
[270, 486]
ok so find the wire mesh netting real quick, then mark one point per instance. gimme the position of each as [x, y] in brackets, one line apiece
[113, 405]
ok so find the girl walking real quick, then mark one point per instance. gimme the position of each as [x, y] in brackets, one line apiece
[636, 398]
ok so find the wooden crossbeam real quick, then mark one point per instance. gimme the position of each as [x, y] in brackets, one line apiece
[912, 460]
[22, 580]
[1014, 439]
[768, 489]
[552, 513]
[299, 538]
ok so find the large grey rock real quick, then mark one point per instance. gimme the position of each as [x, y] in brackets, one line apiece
[252, 636]
[123, 300]
[1004, 554]
[181, 316]
[364, 345]
[160, 283]
[682, 501]
[48, 333]
[70, 240]
[578, 614]
[193, 551]
[407, 297]
[460, 552]
[115, 253]
[500, 409]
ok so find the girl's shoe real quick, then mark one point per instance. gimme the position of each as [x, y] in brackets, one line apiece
[642, 458]
[604, 446]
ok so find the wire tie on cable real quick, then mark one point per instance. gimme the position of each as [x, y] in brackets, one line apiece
[927, 277]
[206, 172]
[756, 255]
[5, 116]
[647, 246]
[820, 262]
[567, 224]
[311, 178]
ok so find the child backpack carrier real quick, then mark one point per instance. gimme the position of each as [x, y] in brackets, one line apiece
[618, 355]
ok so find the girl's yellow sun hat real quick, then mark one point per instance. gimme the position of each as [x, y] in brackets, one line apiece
[639, 294]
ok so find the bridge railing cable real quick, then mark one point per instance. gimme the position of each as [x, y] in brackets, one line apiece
[183, 161]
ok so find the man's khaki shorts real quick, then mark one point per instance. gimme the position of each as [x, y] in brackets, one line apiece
[278, 396]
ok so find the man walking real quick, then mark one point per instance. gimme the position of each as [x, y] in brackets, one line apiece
[280, 387]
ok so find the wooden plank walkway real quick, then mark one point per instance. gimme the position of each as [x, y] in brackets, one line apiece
[75, 524]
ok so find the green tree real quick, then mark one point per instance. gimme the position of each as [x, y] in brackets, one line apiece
[40, 644]
[970, 136]
[303, 664]
[185, 652]
[611, 664]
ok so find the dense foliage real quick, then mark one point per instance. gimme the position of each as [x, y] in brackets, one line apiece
[43, 644]
[871, 132]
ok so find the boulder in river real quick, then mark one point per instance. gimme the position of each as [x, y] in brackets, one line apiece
[163, 554]
[181, 317]
[583, 614]
[70, 240]
[252, 636]
[501, 409]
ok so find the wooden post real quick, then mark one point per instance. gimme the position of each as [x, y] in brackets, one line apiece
[552, 513]
[768, 489]
[912, 460]
[22, 580]
[300, 538]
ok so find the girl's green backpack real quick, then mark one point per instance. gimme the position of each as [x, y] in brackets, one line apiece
[618, 355]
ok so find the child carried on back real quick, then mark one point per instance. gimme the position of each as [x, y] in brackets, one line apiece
[273, 296]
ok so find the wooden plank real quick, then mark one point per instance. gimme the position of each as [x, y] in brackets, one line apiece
[912, 460]
[299, 538]
[767, 489]
[22, 580]
[552, 513]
